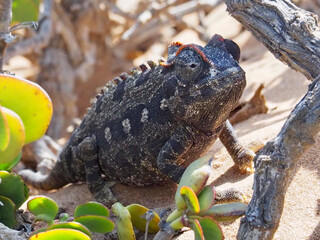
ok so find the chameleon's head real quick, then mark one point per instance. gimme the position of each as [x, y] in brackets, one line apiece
[203, 84]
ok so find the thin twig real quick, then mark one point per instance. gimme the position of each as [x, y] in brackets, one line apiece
[30, 25]
[5, 35]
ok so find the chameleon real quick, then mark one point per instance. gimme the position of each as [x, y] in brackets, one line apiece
[148, 125]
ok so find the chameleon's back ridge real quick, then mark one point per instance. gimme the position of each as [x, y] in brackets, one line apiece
[146, 126]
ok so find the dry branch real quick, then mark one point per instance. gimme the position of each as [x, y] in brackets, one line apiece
[293, 36]
[256, 105]
[290, 33]
[274, 167]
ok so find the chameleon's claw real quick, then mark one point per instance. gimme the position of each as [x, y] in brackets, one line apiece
[245, 161]
[104, 195]
[247, 169]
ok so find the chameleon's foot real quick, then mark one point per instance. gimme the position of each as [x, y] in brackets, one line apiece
[104, 195]
[245, 161]
[229, 195]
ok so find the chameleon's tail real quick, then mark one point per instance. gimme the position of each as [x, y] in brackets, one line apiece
[57, 178]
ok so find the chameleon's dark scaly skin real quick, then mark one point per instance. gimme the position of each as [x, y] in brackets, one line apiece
[148, 126]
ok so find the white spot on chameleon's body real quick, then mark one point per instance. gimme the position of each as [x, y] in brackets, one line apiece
[232, 70]
[107, 134]
[213, 72]
[195, 93]
[126, 125]
[164, 103]
[144, 116]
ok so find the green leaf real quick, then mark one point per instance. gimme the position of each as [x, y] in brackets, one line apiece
[91, 208]
[195, 177]
[211, 229]
[123, 223]
[17, 137]
[174, 215]
[190, 198]
[29, 101]
[4, 131]
[136, 211]
[7, 212]
[179, 223]
[96, 223]
[44, 208]
[206, 198]
[63, 217]
[196, 227]
[71, 225]
[13, 187]
[10, 165]
[226, 211]
[70, 234]
[25, 10]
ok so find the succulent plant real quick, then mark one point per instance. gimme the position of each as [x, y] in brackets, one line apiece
[13, 192]
[25, 113]
[196, 206]
[88, 217]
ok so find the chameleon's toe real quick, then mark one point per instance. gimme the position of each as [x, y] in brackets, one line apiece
[245, 161]
[105, 196]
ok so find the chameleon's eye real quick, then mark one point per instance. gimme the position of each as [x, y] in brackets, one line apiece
[232, 48]
[188, 65]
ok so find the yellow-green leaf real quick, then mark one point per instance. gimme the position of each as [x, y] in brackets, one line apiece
[70, 234]
[191, 200]
[136, 211]
[4, 131]
[71, 225]
[123, 222]
[96, 223]
[29, 101]
[91, 208]
[25, 10]
[10, 165]
[44, 208]
[195, 176]
[17, 137]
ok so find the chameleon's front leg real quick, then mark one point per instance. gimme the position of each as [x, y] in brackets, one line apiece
[87, 152]
[241, 155]
[170, 156]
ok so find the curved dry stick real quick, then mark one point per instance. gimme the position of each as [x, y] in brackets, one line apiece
[290, 33]
[274, 167]
[293, 36]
